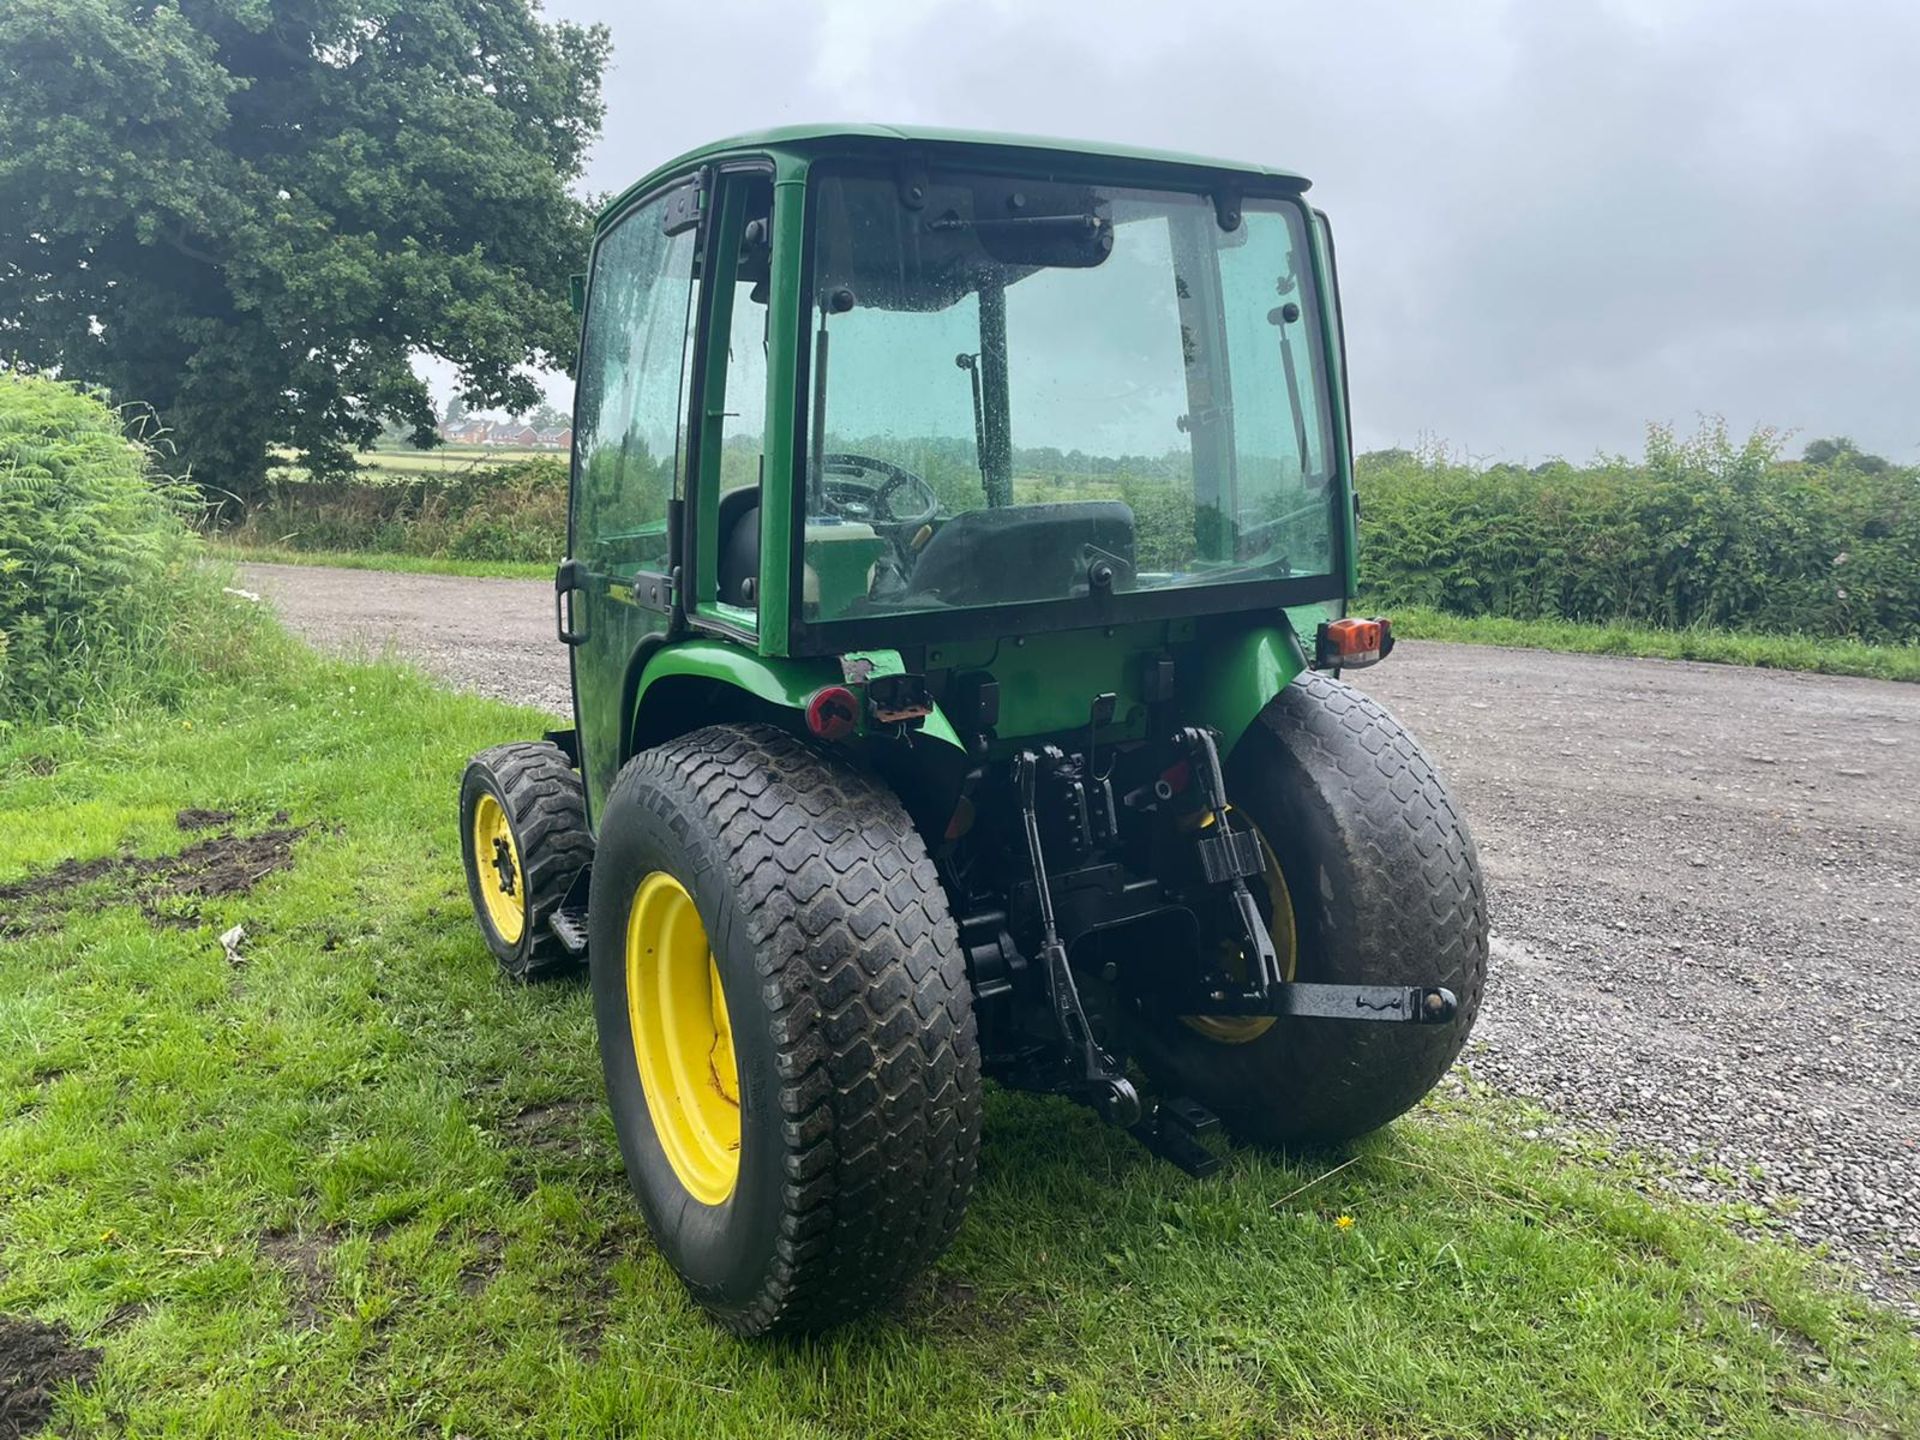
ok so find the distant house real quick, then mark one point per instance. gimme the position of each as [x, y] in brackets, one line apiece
[506, 434]
[465, 432]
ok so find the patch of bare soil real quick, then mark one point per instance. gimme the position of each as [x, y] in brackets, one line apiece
[554, 1126]
[302, 1259]
[36, 1359]
[192, 819]
[479, 1272]
[224, 864]
[946, 1304]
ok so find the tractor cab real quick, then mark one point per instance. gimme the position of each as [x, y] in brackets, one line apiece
[959, 541]
[853, 390]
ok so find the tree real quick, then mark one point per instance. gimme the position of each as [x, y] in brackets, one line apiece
[252, 213]
[1839, 450]
[545, 417]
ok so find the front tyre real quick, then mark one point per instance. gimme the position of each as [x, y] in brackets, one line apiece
[785, 1026]
[523, 840]
[1383, 883]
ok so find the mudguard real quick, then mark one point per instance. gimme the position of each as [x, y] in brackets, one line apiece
[776, 680]
[1235, 677]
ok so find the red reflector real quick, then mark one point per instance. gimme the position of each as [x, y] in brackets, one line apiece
[1174, 779]
[1354, 642]
[833, 713]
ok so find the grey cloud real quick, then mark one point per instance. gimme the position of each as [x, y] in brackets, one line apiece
[1557, 221]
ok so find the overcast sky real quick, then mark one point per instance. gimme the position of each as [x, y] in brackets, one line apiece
[1557, 219]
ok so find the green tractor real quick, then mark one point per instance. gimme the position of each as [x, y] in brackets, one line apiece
[960, 535]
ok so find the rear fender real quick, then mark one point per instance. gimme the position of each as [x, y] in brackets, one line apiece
[676, 690]
[1236, 675]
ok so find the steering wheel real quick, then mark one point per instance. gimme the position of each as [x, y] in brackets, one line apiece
[879, 504]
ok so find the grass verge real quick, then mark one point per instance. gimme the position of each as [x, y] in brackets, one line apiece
[353, 1182]
[383, 560]
[1722, 647]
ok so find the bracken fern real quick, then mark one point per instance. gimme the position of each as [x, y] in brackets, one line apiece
[100, 572]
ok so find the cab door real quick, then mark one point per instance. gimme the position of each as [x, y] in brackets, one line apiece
[629, 461]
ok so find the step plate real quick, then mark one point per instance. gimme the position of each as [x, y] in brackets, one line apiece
[570, 926]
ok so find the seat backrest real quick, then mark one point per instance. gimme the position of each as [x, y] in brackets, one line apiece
[1021, 552]
[739, 581]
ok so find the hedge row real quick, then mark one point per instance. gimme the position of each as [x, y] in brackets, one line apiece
[1701, 532]
[515, 511]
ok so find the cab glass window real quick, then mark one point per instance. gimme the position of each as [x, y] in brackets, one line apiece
[629, 440]
[1035, 389]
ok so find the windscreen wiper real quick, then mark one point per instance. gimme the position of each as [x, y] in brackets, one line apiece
[1090, 224]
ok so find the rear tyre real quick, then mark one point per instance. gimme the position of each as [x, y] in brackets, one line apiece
[1384, 884]
[785, 1027]
[523, 837]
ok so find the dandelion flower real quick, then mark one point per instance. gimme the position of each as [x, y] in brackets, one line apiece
[1344, 1222]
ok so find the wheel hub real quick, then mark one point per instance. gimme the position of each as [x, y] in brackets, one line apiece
[502, 894]
[683, 1039]
[504, 866]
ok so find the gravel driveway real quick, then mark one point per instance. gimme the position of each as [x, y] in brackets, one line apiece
[1705, 886]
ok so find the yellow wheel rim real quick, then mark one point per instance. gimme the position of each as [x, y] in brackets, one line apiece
[1239, 1029]
[682, 1039]
[496, 862]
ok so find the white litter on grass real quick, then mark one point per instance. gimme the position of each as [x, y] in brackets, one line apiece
[230, 942]
[243, 594]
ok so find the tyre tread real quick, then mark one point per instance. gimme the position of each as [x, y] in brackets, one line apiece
[868, 1007]
[1416, 846]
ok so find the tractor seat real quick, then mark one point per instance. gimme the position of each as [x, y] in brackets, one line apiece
[740, 547]
[1020, 552]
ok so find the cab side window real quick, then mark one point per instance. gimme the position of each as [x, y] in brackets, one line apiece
[744, 433]
[629, 431]
[741, 398]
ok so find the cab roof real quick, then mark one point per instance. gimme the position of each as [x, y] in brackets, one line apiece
[805, 138]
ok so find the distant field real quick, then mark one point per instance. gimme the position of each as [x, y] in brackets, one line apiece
[448, 461]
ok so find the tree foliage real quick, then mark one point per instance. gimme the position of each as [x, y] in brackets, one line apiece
[1842, 451]
[251, 213]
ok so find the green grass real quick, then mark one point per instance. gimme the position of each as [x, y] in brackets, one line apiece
[386, 560]
[1723, 647]
[360, 1185]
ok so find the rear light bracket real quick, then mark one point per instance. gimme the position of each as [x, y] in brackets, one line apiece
[1352, 643]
